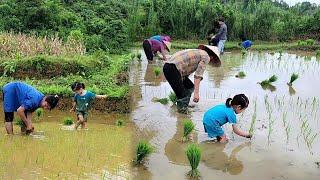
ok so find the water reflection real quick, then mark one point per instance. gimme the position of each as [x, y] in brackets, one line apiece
[214, 157]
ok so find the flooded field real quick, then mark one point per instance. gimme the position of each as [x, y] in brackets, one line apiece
[285, 145]
[286, 142]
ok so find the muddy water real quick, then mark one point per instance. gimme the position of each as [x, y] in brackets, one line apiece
[287, 119]
[58, 152]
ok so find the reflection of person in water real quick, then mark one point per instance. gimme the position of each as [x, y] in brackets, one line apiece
[214, 157]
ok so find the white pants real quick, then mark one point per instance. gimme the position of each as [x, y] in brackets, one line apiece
[221, 45]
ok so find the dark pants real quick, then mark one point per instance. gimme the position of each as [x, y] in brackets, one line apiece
[182, 87]
[147, 50]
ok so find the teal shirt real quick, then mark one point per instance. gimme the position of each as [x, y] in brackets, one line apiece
[83, 102]
[219, 115]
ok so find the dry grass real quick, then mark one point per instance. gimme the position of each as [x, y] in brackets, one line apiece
[22, 45]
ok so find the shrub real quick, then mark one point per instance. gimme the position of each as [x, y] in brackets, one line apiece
[142, 151]
[194, 156]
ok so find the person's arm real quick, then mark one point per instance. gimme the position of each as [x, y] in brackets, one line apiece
[221, 31]
[196, 96]
[21, 114]
[73, 106]
[240, 132]
[101, 96]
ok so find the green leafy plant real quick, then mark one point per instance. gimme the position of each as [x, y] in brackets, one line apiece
[139, 55]
[268, 82]
[188, 127]
[120, 122]
[39, 113]
[273, 78]
[67, 121]
[293, 78]
[157, 71]
[142, 151]
[173, 98]
[241, 74]
[310, 42]
[163, 101]
[318, 53]
[194, 156]
[9, 67]
[132, 55]
[19, 122]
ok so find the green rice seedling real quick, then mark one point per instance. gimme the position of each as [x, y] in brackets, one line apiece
[273, 78]
[157, 71]
[318, 53]
[163, 101]
[241, 74]
[120, 123]
[143, 150]
[188, 127]
[67, 121]
[39, 113]
[310, 42]
[19, 122]
[293, 78]
[243, 52]
[280, 52]
[194, 155]
[132, 56]
[139, 55]
[254, 118]
[173, 98]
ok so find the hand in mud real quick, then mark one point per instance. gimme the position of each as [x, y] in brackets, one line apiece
[29, 131]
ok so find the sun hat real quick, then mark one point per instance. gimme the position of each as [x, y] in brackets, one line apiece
[167, 38]
[212, 51]
[168, 45]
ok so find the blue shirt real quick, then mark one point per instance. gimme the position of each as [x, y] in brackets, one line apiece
[18, 94]
[83, 102]
[220, 115]
[246, 44]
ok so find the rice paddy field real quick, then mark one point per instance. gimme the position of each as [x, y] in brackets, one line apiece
[284, 121]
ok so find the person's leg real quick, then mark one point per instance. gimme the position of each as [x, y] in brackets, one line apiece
[221, 46]
[147, 50]
[8, 116]
[174, 78]
[80, 120]
[84, 122]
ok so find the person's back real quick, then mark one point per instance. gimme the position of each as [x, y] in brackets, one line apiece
[219, 115]
[222, 35]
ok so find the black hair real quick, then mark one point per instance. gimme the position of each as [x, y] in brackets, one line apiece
[77, 85]
[221, 19]
[239, 99]
[52, 100]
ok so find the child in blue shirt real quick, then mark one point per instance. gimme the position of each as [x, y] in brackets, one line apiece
[82, 102]
[219, 115]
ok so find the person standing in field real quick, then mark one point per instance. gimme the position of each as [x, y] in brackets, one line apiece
[24, 99]
[81, 103]
[152, 47]
[222, 34]
[183, 63]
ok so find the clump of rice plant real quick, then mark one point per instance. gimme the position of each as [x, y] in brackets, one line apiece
[39, 113]
[19, 122]
[243, 51]
[139, 55]
[194, 155]
[241, 74]
[67, 121]
[188, 127]
[293, 78]
[173, 98]
[267, 82]
[254, 118]
[157, 71]
[302, 43]
[143, 150]
[120, 123]
[310, 42]
[318, 53]
[163, 101]
[132, 56]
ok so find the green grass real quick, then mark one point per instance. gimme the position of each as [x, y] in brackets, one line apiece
[194, 156]
[188, 127]
[293, 78]
[157, 71]
[139, 55]
[67, 121]
[163, 101]
[241, 74]
[132, 55]
[173, 97]
[120, 123]
[143, 149]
